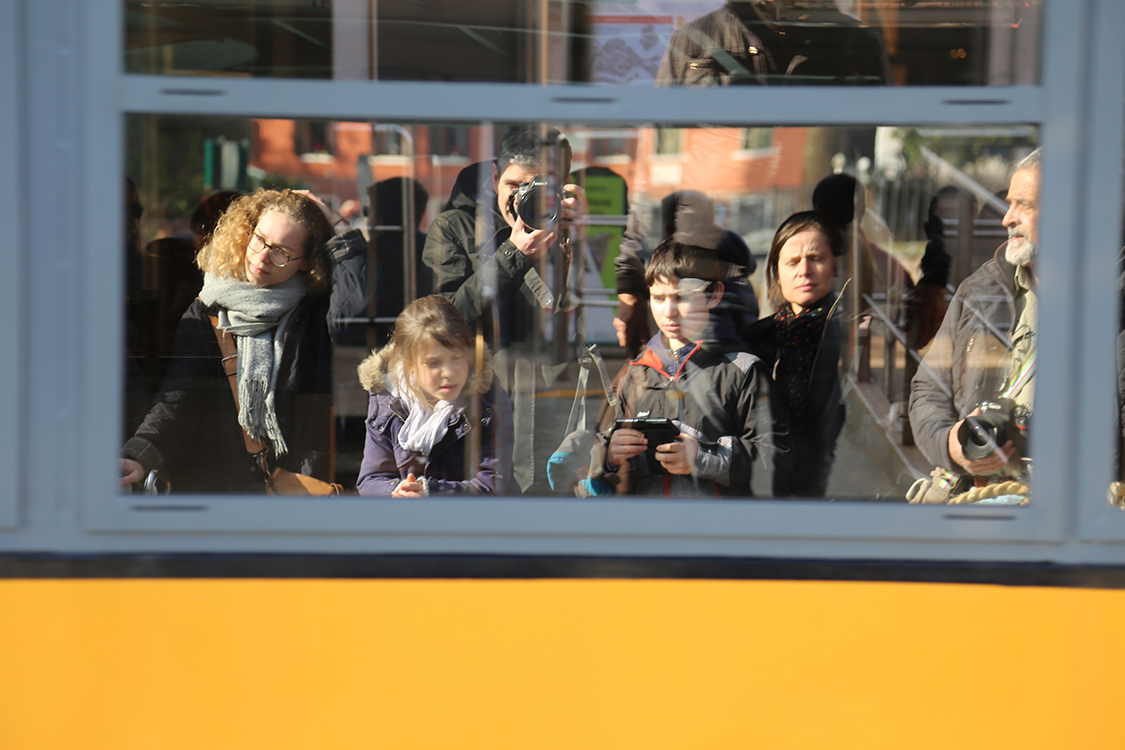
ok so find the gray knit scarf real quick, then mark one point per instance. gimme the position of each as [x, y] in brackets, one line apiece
[257, 317]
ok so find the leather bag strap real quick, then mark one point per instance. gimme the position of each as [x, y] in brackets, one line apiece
[279, 481]
[229, 347]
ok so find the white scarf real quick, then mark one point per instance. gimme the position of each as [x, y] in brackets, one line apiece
[425, 426]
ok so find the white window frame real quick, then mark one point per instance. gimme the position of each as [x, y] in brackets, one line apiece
[1074, 327]
[1100, 295]
[12, 250]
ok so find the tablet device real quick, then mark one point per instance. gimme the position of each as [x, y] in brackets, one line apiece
[658, 431]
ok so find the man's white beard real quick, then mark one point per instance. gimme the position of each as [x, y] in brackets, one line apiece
[1021, 251]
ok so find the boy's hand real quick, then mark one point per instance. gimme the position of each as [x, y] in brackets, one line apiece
[625, 443]
[409, 487]
[678, 457]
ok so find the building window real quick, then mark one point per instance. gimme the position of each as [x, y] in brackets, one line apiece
[668, 141]
[756, 139]
[314, 137]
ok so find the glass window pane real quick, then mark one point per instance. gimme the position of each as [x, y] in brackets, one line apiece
[1116, 494]
[664, 42]
[829, 376]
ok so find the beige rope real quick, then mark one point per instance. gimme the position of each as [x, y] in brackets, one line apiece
[1116, 495]
[976, 494]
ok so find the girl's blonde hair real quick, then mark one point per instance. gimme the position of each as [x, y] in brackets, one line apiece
[225, 253]
[433, 315]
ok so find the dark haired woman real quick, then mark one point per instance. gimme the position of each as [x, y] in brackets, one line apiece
[802, 343]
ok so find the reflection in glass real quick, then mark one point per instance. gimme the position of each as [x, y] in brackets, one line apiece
[438, 422]
[802, 343]
[664, 42]
[973, 395]
[244, 402]
[919, 211]
[1116, 494]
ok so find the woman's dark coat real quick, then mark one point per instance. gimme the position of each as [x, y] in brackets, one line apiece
[191, 433]
[804, 450]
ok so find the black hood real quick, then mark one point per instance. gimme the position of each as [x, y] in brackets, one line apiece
[466, 192]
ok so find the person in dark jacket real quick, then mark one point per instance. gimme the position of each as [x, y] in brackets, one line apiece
[687, 216]
[985, 349]
[694, 372]
[422, 423]
[926, 302]
[268, 270]
[801, 343]
[393, 231]
[480, 251]
[774, 42]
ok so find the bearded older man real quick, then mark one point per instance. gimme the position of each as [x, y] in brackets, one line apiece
[984, 352]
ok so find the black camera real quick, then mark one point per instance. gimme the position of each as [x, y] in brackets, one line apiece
[998, 422]
[538, 203]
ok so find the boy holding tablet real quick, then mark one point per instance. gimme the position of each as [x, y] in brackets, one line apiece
[685, 413]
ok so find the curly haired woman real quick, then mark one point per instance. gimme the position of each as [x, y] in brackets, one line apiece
[268, 270]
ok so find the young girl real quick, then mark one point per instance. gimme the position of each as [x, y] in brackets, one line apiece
[420, 427]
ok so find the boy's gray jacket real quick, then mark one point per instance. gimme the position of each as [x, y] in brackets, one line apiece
[710, 394]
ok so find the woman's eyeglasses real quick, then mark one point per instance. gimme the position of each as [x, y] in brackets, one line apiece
[279, 256]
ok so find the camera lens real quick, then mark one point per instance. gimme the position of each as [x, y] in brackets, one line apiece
[538, 203]
[974, 442]
[981, 435]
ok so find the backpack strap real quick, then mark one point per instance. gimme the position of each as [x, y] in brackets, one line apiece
[588, 358]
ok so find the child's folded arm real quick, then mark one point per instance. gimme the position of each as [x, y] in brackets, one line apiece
[487, 481]
[378, 472]
[497, 438]
[377, 485]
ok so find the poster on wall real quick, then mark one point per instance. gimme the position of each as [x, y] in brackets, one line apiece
[630, 36]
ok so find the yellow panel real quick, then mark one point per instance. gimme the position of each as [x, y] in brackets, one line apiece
[169, 664]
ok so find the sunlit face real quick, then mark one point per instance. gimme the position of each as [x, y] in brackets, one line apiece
[682, 309]
[1022, 218]
[805, 269]
[274, 229]
[508, 183]
[441, 372]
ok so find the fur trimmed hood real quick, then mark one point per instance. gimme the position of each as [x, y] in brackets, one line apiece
[373, 372]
